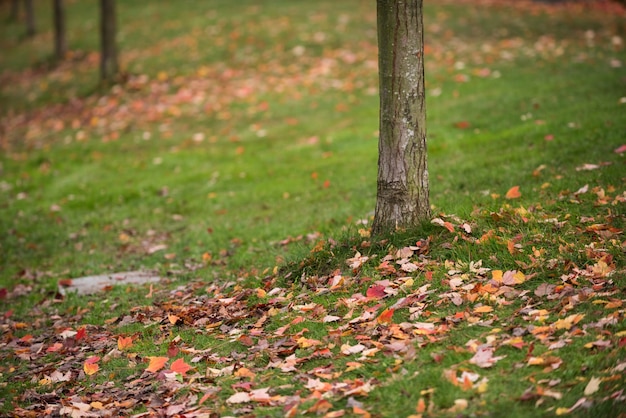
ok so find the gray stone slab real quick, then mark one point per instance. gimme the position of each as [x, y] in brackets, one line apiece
[94, 284]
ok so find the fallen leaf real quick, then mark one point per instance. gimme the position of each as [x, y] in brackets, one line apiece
[156, 363]
[179, 366]
[90, 367]
[513, 193]
[239, 397]
[124, 343]
[386, 317]
[593, 386]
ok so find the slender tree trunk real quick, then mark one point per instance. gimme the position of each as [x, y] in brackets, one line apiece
[15, 10]
[30, 18]
[108, 59]
[60, 43]
[402, 199]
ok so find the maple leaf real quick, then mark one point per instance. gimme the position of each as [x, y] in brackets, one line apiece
[90, 366]
[124, 343]
[386, 317]
[513, 193]
[376, 292]
[156, 363]
[179, 366]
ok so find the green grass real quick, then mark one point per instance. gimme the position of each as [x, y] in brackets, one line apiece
[243, 124]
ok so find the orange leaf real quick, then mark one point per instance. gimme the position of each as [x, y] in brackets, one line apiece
[124, 343]
[386, 317]
[483, 309]
[156, 364]
[54, 347]
[179, 366]
[421, 406]
[173, 318]
[513, 193]
[90, 368]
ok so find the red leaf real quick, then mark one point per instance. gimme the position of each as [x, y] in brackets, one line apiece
[81, 333]
[92, 360]
[179, 366]
[621, 149]
[376, 292]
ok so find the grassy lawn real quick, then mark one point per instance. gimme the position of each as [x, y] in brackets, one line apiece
[237, 159]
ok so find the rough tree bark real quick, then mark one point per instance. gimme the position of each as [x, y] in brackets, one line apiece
[60, 43]
[402, 198]
[30, 18]
[108, 58]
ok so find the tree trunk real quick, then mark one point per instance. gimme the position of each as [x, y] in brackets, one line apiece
[30, 18]
[402, 199]
[108, 58]
[14, 14]
[60, 44]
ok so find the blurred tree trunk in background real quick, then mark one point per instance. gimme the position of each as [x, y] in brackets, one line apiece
[108, 58]
[60, 43]
[402, 197]
[14, 13]
[30, 18]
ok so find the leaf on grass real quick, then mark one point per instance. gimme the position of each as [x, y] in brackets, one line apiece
[124, 343]
[357, 261]
[593, 386]
[91, 365]
[441, 222]
[156, 363]
[179, 366]
[513, 193]
[484, 357]
[376, 292]
[239, 397]
[621, 149]
[386, 317]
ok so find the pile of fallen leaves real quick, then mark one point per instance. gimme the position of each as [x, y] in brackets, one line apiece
[380, 307]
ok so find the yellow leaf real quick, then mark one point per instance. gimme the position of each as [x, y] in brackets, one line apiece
[496, 275]
[562, 411]
[483, 309]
